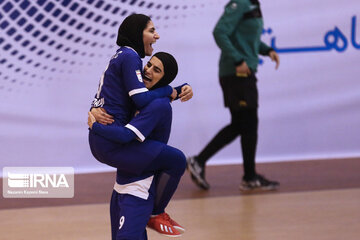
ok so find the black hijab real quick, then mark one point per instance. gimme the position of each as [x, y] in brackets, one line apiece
[131, 32]
[170, 69]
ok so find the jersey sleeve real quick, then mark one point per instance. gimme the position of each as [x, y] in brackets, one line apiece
[131, 69]
[264, 49]
[144, 98]
[178, 90]
[114, 133]
[226, 25]
[148, 118]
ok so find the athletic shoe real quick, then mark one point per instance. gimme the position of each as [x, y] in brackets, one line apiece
[163, 224]
[258, 182]
[197, 172]
[177, 226]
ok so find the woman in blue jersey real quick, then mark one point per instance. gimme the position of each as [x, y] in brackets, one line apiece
[144, 185]
[121, 89]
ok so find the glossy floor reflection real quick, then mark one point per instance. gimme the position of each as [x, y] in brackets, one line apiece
[315, 215]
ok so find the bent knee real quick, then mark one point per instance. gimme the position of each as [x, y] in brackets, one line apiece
[180, 161]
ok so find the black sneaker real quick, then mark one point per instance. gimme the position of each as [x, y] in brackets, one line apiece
[259, 182]
[197, 172]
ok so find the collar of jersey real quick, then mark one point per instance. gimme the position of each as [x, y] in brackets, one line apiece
[131, 49]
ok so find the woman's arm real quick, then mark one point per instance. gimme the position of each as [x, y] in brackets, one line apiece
[144, 98]
[139, 127]
[114, 133]
[184, 92]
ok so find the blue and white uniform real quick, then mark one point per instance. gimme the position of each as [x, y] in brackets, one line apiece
[133, 198]
[121, 91]
[116, 145]
[141, 164]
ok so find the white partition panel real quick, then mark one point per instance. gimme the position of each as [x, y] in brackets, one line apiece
[52, 54]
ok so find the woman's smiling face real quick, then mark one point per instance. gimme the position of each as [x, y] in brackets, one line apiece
[153, 71]
[149, 37]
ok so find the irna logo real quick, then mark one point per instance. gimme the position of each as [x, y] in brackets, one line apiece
[38, 182]
[45, 180]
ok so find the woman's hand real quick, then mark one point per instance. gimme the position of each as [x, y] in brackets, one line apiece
[186, 93]
[91, 120]
[275, 58]
[101, 116]
[243, 70]
[173, 94]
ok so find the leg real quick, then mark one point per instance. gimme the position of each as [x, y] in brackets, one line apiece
[114, 214]
[129, 216]
[170, 165]
[246, 117]
[229, 86]
[130, 159]
[247, 121]
[196, 164]
[221, 139]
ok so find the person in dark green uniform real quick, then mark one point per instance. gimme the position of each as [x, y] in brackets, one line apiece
[237, 34]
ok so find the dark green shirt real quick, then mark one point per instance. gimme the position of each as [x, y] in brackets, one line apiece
[237, 33]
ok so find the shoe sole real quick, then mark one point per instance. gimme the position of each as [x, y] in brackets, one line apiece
[180, 229]
[197, 183]
[197, 180]
[258, 189]
[174, 236]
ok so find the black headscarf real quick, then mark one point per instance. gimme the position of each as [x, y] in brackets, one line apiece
[131, 32]
[170, 69]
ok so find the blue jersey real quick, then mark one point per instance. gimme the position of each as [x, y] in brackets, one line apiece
[153, 122]
[151, 126]
[121, 88]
